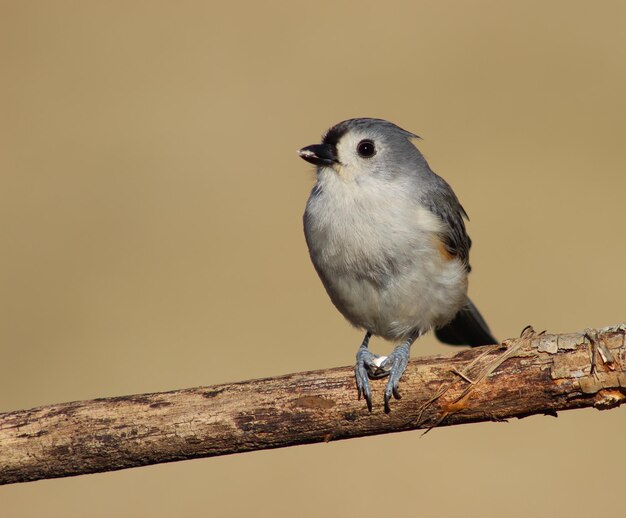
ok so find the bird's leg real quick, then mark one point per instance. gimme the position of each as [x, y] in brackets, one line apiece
[394, 366]
[368, 364]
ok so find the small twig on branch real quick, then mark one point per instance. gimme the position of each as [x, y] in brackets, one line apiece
[534, 374]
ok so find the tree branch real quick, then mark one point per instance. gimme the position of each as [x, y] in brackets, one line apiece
[534, 374]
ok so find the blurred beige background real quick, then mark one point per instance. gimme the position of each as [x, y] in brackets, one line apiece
[150, 235]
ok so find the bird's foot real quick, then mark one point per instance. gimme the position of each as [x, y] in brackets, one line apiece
[394, 366]
[368, 365]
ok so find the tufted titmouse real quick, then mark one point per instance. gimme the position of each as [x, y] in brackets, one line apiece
[387, 238]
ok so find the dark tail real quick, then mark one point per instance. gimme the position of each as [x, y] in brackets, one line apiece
[468, 327]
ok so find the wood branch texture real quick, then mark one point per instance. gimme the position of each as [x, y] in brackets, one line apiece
[534, 374]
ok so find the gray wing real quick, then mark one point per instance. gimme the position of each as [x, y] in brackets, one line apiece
[442, 201]
[468, 326]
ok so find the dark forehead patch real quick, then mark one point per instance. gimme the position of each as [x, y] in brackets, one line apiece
[334, 134]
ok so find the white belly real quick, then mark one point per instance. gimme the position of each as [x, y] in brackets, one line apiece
[380, 262]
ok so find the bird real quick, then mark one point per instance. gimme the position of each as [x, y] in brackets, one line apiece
[387, 238]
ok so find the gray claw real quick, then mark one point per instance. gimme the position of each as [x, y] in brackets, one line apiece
[366, 363]
[362, 384]
[395, 364]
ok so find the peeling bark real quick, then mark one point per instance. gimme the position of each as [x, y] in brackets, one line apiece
[534, 374]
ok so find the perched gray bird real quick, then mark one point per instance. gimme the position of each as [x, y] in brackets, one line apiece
[387, 238]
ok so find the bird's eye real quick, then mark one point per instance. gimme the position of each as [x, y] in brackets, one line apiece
[366, 149]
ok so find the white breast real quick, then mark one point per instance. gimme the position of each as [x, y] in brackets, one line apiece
[375, 249]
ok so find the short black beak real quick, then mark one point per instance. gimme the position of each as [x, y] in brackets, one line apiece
[319, 154]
